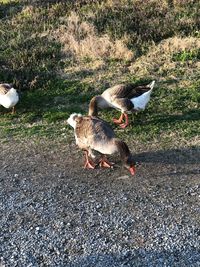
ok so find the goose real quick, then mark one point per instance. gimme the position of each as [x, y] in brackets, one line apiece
[94, 134]
[125, 97]
[8, 96]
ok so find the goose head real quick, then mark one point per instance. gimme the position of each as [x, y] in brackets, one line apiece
[72, 119]
[126, 156]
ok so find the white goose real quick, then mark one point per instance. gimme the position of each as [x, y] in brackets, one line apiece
[8, 96]
[127, 98]
[92, 133]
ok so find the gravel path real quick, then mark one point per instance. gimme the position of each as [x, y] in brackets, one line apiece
[54, 213]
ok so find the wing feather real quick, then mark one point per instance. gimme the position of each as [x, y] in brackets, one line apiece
[127, 90]
[4, 88]
[90, 130]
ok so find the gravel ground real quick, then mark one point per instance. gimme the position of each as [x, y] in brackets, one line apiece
[54, 213]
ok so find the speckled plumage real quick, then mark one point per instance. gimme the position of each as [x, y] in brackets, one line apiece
[92, 133]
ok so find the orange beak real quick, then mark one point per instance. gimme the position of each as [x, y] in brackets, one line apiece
[132, 170]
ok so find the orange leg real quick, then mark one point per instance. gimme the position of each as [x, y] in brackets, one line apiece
[104, 163]
[89, 164]
[118, 121]
[124, 125]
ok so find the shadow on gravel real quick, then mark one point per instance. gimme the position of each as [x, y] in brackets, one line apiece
[173, 156]
[141, 258]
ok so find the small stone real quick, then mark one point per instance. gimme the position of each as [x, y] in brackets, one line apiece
[124, 177]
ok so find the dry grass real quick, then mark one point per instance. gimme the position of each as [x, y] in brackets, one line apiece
[157, 64]
[159, 60]
[80, 41]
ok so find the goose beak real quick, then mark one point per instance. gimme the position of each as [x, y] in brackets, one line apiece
[132, 170]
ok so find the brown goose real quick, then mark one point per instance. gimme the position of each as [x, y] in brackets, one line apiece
[8, 96]
[125, 97]
[92, 133]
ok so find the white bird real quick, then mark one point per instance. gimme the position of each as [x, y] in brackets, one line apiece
[8, 96]
[92, 133]
[127, 98]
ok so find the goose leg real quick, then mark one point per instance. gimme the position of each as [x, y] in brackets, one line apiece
[13, 110]
[124, 125]
[118, 121]
[104, 163]
[89, 164]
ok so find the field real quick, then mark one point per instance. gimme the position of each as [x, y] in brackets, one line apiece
[58, 55]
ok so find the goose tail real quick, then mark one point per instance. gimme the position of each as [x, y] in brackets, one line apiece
[151, 85]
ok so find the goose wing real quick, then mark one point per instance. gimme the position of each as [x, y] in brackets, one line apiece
[118, 91]
[138, 91]
[4, 88]
[91, 131]
[127, 90]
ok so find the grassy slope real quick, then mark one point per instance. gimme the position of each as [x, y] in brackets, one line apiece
[53, 85]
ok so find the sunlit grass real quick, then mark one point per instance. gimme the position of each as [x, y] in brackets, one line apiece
[169, 112]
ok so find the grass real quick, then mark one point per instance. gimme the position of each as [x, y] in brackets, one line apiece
[170, 114]
[187, 55]
[57, 70]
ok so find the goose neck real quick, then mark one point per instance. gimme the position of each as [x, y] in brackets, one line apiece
[94, 105]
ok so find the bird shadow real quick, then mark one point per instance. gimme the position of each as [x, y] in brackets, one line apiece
[180, 158]
[140, 257]
[190, 155]
[189, 115]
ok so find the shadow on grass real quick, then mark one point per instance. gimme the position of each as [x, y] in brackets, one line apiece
[35, 64]
[54, 103]
[29, 58]
[59, 92]
[189, 115]
[10, 9]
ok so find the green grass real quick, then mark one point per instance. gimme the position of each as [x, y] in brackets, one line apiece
[41, 113]
[187, 55]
